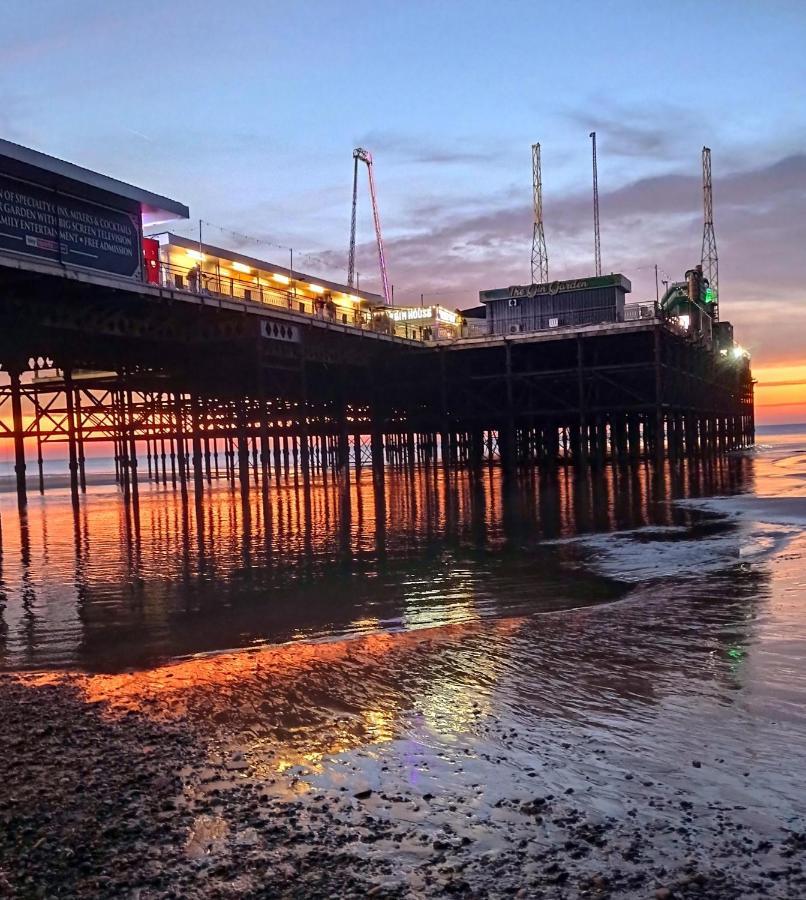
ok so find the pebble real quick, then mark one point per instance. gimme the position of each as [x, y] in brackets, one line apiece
[112, 811]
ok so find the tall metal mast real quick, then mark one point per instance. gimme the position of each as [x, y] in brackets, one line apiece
[710, 258]
[366, 157]
[540, 257]
[597, 243]
[351, 258]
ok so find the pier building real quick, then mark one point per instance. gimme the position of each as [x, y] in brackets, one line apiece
[555, 304]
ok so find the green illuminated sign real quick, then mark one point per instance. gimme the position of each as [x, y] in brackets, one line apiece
[710, 296]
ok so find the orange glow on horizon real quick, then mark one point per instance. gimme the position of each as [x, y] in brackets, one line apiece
[780, 393]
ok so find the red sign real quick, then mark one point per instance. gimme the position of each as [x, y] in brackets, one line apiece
[151, 260]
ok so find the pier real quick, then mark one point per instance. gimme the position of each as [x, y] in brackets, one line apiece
[195, 375]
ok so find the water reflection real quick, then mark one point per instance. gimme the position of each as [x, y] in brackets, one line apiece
[628, 675]
[108, 584]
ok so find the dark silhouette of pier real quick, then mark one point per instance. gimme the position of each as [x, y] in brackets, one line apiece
[187, 388]
[190, 380]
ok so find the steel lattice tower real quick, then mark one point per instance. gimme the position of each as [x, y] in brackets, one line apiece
[710, 257]
[596, 242]
[540, 257]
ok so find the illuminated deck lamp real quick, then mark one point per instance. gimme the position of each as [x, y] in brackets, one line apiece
[348, 298]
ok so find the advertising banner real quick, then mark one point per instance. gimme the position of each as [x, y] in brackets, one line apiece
[40, 222]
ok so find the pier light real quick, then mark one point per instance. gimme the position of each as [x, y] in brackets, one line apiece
[281, 279]
[350, 298]
[240, 267]
[738, 351]
[194, 254]
[316, 288]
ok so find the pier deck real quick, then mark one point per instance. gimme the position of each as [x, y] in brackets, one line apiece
[196, 384]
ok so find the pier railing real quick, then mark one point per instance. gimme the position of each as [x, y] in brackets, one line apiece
[179, 278]
[252, 290]
[634, 312]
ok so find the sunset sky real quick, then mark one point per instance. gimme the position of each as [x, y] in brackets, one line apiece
[249, 112]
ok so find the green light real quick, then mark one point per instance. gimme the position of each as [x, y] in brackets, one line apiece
[736, 653]
[710, 296]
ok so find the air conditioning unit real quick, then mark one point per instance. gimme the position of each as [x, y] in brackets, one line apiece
[514, 329]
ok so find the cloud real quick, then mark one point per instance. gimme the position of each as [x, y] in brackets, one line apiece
[424, 152]
[655, 130]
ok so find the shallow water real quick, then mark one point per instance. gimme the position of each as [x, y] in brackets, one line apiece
[111, 585]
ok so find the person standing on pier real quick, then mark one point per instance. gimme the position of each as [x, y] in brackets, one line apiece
[193, 279]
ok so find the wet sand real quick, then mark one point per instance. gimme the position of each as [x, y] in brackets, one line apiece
[648, 745]
[271, 774]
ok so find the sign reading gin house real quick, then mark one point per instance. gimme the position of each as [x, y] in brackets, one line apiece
[55, 226]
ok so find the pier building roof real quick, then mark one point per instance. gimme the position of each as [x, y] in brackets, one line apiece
[58, 174]
[224, 271]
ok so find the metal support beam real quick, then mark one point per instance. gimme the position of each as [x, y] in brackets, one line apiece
[19, 440]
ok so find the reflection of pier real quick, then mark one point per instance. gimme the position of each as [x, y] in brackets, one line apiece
[188, 387]
[113, 583]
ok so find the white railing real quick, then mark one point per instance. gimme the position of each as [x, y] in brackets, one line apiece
[634, 312]
[475, 327]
